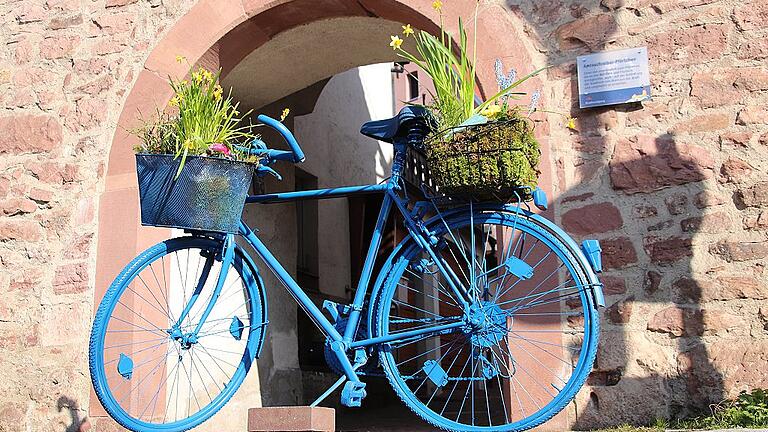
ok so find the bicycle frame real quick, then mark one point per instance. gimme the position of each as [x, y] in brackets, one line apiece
[342, 343]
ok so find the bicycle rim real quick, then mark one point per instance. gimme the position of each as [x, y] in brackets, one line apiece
[143, 375]
[534, 345]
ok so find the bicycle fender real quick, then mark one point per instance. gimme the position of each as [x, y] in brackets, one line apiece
[596, 287]
[262, 295]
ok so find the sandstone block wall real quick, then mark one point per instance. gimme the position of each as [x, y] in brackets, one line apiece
[675, 190]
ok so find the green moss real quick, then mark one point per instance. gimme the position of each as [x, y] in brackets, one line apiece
[488, 161]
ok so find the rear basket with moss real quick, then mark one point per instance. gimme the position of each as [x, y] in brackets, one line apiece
[491, 161]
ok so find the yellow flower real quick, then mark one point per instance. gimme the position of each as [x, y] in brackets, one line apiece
[437, 5]
[174, 101]
[180, 59]
[217, 90]
[407, 30]
[284, 114]
[396, 42]
[491, 111]
[571, 123]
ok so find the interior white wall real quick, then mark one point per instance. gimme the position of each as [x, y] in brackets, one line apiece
[340, 156]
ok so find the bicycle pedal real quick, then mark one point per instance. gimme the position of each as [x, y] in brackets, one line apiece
[435, 373]
[353, 393]
[518, 268]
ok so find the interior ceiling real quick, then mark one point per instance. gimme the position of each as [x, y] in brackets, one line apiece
[304, 55]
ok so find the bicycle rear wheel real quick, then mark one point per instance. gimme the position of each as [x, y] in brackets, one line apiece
[530, 329]
[149, 377]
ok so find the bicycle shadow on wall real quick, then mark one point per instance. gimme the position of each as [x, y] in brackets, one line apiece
[652, 363]
[644, 196]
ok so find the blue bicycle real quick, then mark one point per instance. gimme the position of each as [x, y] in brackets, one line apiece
[483, 318]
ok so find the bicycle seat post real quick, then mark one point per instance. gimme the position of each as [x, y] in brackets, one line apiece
[416, 131]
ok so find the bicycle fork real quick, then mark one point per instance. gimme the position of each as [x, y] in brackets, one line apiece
[190, 338]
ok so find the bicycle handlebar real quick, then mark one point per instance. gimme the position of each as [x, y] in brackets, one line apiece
[298, 154]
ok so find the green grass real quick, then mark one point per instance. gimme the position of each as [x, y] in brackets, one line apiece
[749, 410]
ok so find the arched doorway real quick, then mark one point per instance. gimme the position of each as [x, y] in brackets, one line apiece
[273, 49]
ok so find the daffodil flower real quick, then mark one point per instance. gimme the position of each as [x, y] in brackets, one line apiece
[437, 5]
[396, 42]
[217, 90]
[491, 111]
[571, 123]
[407, 30]
[284, 114]
[180, 59]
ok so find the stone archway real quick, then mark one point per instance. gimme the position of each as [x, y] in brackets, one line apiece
[223, 33]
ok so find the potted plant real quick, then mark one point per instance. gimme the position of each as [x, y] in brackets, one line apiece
[487, 150]
[193, 172]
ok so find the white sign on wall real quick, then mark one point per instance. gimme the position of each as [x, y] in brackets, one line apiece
[613, 77]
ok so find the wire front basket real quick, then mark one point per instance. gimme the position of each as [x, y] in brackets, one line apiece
[208, 195]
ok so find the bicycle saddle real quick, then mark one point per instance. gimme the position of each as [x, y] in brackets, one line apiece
[390, 129]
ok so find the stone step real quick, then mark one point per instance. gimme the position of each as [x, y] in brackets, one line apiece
[292, 419]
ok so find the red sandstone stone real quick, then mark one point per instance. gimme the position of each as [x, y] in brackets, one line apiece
[115, 3]
[711, 223]
[706, 199]
[79, 247]
[677, 321]
[111, 23]
[16, 206]
[285, 419]
[704, 123]
[98, 85]
[645, 164]
[580, 197]
[676, 204]
[613, 285]
[71, 279]
[752, 115]
[713, 89]
[755, 221]
[739, 287]
[684, 46]
[592, 145]
[40, 195]
[591, 32]
[30, 12]
[29, 134]
[645, 211]
[592, 218]
[755, 195]
[621, 311]
[735, 170]
[739, 251]
[23, 230]
[52, 172]
[668, 250]
[56, 47]
[618, 252]
[763, 139]
[735, 138]
[752, 15]
[753, 50]
[651, 281]
[63, 22]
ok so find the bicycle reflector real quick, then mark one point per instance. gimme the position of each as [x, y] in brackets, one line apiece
[593, 252]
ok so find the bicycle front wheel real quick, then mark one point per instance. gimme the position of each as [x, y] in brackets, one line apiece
[146, 369]
[529, 333]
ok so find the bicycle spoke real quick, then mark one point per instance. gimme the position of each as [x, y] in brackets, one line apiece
[163, 368]
[506, 315]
